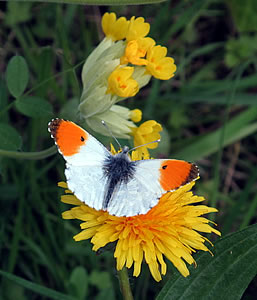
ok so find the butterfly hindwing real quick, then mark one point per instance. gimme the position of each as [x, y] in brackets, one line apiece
[132, 198]
[88, 184]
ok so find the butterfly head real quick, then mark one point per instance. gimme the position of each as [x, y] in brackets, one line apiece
[125, 150]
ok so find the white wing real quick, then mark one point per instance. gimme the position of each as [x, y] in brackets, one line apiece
[140, 194]
[92, 153]
[88, 183]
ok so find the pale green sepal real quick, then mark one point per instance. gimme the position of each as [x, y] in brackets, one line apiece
[94, 55]
[98, 76]
[96, 102]
[97, 67]
[123, 111]
[141, 76]
[119, 126]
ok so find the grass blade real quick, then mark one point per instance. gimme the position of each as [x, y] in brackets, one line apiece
[236, 129]
[52, 294]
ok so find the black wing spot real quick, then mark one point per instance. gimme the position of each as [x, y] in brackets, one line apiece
[82, 139]
[164, 167]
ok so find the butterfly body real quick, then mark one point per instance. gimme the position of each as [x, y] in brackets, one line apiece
[113, 182]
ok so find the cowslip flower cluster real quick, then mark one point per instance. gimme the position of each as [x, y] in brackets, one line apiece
[123, 62]
[169, 230]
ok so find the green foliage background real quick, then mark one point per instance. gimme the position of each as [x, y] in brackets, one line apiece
[209, 114]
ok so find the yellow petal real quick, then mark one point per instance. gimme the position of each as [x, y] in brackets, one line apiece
[159, 65]
[137, 29]
[136, 115]
[121, 83]
[113, 28]
[70, 199]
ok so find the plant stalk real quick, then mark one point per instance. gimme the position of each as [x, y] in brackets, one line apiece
[124, 284]
[29, 155]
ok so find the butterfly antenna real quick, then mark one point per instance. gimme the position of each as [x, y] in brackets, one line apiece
[157, 141]
[108, 129]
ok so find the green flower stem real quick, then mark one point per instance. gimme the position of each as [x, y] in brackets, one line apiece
[124, 284]
[29, 155]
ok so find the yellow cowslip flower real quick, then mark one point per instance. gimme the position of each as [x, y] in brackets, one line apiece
[159, 65]
[121, 83]
[119, 119]
[170, 229]
[136, 51]
[136, 115]
[107, 79]
[137, 28]
[147, 132]
[113, 28]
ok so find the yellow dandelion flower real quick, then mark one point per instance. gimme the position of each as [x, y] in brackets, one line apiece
[147, 132]
[159, 65]
[136, 50]
[121, 83]
[137, 28]
[113, 28]
[170, 229]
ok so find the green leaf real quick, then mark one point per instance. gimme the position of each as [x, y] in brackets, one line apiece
[240, 49]
[101, 280]
[17, 13]
[236, 129]
[3, 101]
[224, 276]
[107, 294]
[79, 283]
[244, 14]
[17, 75]
[34, 107]
[3, 95]
[9, 138]
[100, 2]
[69, 110]
[39, 289]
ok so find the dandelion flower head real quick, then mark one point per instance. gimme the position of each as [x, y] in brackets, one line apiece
[170, 230]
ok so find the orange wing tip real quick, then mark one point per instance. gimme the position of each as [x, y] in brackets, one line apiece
[68, 136]
[192, 175]
[53, 127]
[177, 173]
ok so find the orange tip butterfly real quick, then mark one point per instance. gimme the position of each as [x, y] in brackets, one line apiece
[114, 183]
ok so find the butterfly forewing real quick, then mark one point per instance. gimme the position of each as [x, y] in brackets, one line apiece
[167, 174]
[76, 145]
